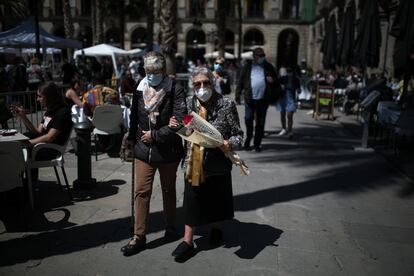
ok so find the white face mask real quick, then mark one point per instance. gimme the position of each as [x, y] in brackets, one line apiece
[204, 94]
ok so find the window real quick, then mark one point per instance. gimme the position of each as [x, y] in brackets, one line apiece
[58, 8]
[86, 7]
[255, 8]
[290, 9]
[139, 38]
[253, 38]
[196, 8]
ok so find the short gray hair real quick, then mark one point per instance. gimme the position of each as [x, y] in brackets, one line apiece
[203, 71]
[154, 61]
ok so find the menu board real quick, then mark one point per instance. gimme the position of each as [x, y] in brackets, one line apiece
[324, 101]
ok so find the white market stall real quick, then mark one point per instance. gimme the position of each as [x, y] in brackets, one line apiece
[215, 54]
[102, 50]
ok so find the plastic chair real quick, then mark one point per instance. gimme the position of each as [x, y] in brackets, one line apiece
[107, 120]
[58, 161]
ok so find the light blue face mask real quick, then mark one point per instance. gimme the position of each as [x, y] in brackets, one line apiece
[218, 67]
[155, 79]
[260, 60]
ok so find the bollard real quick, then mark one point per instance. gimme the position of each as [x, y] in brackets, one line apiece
[82, 150]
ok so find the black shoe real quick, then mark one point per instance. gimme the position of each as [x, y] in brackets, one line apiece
[131, 249]
[247, 148]
[170, 234]
[258, 148]
[216, 237]
[183, 251]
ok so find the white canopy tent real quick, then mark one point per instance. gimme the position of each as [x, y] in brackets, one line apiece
[103, 50]
[216, 54]
[136, 52]
[247, 55]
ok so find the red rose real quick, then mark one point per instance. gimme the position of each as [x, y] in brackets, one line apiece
[187, 119]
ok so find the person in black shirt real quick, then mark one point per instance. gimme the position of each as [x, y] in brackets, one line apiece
[56, 124]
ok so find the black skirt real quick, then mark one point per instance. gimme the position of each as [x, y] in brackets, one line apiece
[210, 202]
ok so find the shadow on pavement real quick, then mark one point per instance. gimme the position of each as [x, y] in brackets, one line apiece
[252, 238]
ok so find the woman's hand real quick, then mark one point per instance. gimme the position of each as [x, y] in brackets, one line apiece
[146, 136]
[17, 111]
[173, 123]
[226, 147]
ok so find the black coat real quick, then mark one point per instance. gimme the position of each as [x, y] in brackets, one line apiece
[166, 146]
[272, 92]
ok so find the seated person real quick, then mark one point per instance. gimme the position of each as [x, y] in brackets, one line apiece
[56, 124]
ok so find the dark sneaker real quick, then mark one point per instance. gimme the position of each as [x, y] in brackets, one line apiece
[183, 251]
[258, 148]
[170, 234]
[216, 237]
[134, 246]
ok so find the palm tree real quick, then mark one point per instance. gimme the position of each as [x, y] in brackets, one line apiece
[168, 25]
[222, 6]
[67, 19]
[150, 25]
[97, 21]
[12, 8]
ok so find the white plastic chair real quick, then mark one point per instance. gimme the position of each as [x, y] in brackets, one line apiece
[59, 161]
[107, 120]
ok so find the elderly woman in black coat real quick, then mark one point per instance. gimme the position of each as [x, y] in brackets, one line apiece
[208, 195]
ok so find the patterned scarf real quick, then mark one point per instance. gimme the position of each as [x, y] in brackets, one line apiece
[153, 97]
[194, 173]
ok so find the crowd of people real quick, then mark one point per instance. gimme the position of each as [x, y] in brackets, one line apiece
[158, 107]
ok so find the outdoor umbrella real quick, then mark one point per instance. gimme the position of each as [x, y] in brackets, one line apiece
[329, 45]
[403, 30]
[368, 42]
[346, 36]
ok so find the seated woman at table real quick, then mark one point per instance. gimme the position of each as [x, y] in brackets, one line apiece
[72, 95]
[56, 124]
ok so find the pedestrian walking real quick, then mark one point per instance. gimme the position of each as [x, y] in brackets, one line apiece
[208, 195]
[286, 104]
[259, 86]
[156, 146]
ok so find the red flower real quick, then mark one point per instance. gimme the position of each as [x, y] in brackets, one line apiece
[187, 119]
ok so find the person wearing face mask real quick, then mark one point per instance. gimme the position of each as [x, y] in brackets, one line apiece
[286, 103]
[156, 146]
[259, 86]
[208, 196]
[222, 84]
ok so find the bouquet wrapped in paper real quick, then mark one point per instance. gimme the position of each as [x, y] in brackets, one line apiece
[198, 131]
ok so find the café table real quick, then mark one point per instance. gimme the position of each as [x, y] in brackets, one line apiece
[15, 137]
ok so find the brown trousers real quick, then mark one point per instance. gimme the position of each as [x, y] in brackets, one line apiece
[144, 178]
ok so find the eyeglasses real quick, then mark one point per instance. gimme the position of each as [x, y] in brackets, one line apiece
[259, 55]
[198, 84]
[218, 63]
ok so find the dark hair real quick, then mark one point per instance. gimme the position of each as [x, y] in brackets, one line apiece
[73, 83]
[53, 96]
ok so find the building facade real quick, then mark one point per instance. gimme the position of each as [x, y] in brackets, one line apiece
[281, 27]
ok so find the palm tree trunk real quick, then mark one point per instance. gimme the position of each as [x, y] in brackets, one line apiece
[93, 21]
[150, 25]
[168, 24]
[221, 26]
[67, 23]
[99, 22]
[122, 22]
